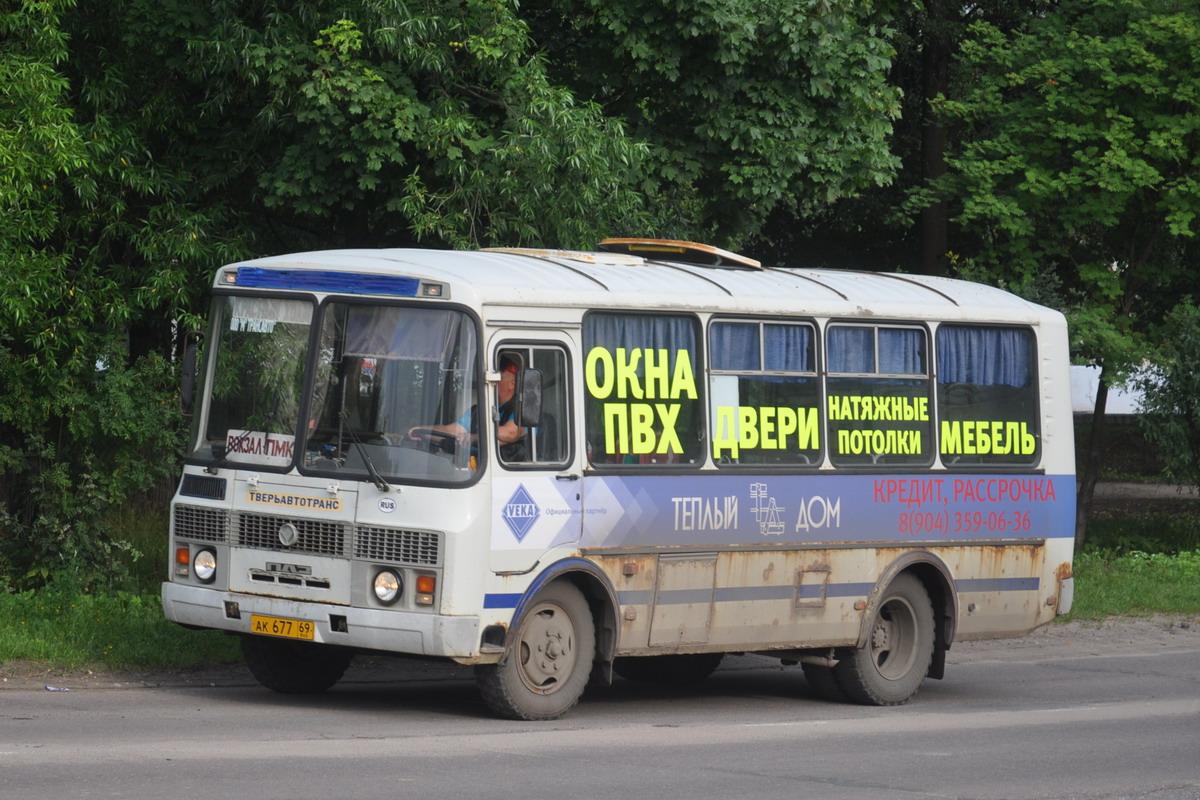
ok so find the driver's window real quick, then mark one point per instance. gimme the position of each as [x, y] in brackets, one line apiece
[548, 442]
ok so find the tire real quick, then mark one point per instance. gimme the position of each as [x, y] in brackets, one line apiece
[544, 673]
[890, 669]
[823, 682]
[291, 667]
[674, 670]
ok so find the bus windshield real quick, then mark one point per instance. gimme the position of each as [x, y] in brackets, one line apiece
[395, 392]
[257, 355]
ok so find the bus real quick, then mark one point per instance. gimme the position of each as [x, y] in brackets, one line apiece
[561, 466]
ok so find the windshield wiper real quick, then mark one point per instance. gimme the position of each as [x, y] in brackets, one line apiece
[376, 478]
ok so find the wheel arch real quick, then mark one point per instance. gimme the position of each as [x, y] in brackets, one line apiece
[596, 589]
[935, 576]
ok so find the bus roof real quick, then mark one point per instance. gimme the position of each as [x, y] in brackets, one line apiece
[534, 277]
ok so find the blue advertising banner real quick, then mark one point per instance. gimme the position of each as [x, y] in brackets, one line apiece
[723, 509]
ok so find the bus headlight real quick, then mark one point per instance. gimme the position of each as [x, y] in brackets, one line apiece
[388, 586]
[204, 566]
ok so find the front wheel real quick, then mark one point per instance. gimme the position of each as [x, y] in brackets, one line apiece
[291, 667]
[890, 669]
[545, 671]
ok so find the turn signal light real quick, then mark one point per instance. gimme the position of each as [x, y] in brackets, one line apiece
[183, 558]
[426, 584]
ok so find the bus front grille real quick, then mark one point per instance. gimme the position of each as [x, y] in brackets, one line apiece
[201, 524]
[420, 548]
[312, 535]
[320, 537]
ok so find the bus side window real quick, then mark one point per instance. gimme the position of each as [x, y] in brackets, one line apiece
[643, 394]
[878, 395]
[545, 443]
[764, 393]
[987, 395]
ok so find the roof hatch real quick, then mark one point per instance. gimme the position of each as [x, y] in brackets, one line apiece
[674, 250]
[571, 255]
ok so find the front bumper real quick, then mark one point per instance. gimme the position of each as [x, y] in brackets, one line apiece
[368, 629]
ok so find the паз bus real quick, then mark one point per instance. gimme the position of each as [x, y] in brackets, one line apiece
[559, 465]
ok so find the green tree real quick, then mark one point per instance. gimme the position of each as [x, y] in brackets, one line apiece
[870, 230]
[80, 423]
[362, 124]
[144, 143]
[747, 107]
[1170, 389]
[1077, 166]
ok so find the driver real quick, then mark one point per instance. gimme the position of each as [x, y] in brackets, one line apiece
[509, 435]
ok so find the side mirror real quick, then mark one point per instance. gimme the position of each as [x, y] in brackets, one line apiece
[529, 398]
[187, 375]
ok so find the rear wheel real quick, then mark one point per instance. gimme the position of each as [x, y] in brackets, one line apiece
[545, 671]
[294, 667]
[676, 670]
[890, 669]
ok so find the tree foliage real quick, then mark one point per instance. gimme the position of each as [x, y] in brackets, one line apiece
[82, 425]
[1171, 394]
[1076, 169]
[363, 123]
[144, 142]
[747, 107]
[1079, 160]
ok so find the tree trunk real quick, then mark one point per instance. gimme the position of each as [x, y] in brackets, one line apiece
[1092, 463]
[935, 80]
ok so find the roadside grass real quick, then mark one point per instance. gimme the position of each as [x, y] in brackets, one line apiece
[1165, 526]
[123, 630]
[1141, 558]
[1135, 583]
[69, 631]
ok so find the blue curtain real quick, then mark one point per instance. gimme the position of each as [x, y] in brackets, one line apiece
[734, 346]
[984, 356]
[901, 351]
[851, 349]
[789, 348]
[611, 331]
[786, 348]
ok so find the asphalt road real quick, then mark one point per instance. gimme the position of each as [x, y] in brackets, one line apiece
[1082, 714]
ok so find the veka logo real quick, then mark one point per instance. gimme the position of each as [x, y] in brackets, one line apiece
[520, 512]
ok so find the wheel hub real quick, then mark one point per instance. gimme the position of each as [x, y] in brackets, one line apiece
[880, 637]
[547, 653]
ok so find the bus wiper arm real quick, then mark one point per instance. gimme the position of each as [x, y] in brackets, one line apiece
[376, 478]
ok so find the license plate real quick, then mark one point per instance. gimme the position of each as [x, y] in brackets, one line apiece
[278, 626]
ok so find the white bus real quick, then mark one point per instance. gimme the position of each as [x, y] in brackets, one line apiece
[559, 465]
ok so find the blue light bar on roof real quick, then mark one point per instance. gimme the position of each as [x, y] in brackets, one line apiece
[324, 281]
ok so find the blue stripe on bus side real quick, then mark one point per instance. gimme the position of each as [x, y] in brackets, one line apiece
[743, 594]
[501, 600]
[997, 585]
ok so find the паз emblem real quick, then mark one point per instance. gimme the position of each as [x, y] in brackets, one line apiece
[288, 535]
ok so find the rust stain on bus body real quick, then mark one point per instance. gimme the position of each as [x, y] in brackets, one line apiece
[807, 613]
